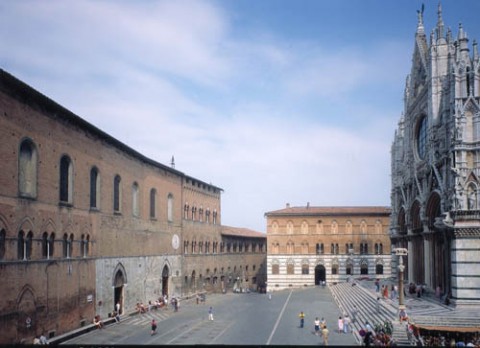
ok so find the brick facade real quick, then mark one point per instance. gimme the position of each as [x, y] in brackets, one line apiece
[86, 221]
[309, 245]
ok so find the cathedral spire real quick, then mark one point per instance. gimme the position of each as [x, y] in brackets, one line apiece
[440, 24]
[420, 27]
[475, 50]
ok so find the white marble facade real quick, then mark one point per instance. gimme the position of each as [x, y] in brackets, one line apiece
[436, 165]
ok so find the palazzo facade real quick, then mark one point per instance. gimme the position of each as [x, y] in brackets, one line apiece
[436, 165]
[308, 245]
[86, 222]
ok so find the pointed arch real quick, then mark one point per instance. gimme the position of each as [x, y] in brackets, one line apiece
[119, 276]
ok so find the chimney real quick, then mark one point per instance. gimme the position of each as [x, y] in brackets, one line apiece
[288, 205]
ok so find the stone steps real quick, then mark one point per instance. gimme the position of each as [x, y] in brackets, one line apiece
[348, 296]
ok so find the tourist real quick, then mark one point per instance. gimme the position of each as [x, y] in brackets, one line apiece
[377, 285]
[98, 322]
[346, 324]
[340, 325]
[210, 313]
[154, 327]
[316, 325]
[302, 319]
[325, 335]
[43, 339]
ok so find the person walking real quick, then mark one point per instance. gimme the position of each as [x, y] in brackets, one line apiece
[316, 325]
[325, 335]
[340, 324]
[117, 307]
[154, 327]
[210, 313]
[302, 319]
[346, 324]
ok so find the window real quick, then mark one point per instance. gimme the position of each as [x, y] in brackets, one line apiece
[320, 248]
[207, 216]
[21, 245]
[153, 198]
[28, 245]
[214, 217]
[135, 200]
[379, 269]
[67, 246]
[66, 180]
[185, 211]
[45, 245]
[290, 268]
[305, 268]
[117, 193]
[185, 247]
[334, 269]
[3, 236]
[289, 227]
[84, 245]
[422, 137]
[170, 208]
[27, 170]
[94, 188]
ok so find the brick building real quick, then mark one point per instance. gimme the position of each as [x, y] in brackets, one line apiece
[86, 222]
[308, 245]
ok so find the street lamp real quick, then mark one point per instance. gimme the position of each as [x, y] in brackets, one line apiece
[400, 252]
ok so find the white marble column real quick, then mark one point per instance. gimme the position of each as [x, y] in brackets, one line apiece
[427, 261]
[410, 261]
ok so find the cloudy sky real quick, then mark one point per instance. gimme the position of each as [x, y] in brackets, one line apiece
[274, 101]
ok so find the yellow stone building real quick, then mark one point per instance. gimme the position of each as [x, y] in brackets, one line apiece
[308, 245]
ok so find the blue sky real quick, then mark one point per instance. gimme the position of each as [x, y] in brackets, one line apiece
[274, 101]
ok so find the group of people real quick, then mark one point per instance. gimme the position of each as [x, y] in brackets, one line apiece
[376, 338]
[320, 327]
[42, 340]
[383, 291]
[344, 324]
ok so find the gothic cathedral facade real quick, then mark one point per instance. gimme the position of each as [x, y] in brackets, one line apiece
[435, 165]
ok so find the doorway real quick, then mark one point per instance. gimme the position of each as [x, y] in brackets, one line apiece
[118, 290]
[165, 274]
[320, 274]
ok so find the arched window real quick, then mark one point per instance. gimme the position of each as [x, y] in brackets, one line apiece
[28, 245]
[304, 227]
[153, 199]
[70, 246]
[21, 245]
[379, 269]
[66, 180]
[117, 192]
[45, 245]
[94, 188]
[135, 200]
[289, 227]
[3, 236]
[275, 269]
[334, 227]
[65, 245]
[421, 137]
[320, 248]
[348, 227]
[214, 217]
[290, 267]
[170, 208]
[305, 267]
[27, 170]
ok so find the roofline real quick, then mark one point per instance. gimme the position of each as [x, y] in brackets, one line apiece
[26, 94]
[282, 212]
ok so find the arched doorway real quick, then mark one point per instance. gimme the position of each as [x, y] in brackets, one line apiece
[320, 274]
[118, 283]
[165, 274]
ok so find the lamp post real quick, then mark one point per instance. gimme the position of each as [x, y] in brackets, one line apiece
[400, 252]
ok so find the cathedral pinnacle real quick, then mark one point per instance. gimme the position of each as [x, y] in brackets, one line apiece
[420, 27]
[440, 24]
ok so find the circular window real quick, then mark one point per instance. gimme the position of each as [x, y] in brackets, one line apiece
[422, 138]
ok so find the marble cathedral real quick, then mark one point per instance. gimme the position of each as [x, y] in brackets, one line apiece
[435, 165]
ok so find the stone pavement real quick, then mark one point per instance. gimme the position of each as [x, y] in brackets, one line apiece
[240, 319]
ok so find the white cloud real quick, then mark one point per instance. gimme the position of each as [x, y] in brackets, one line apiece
[167, 78]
